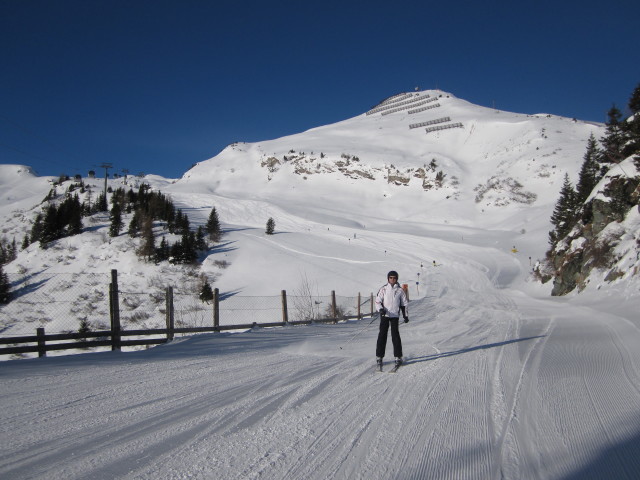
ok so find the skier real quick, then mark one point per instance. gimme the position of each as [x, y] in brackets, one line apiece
[390, 301]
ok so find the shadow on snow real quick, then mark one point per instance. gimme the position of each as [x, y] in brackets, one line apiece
[435, 356]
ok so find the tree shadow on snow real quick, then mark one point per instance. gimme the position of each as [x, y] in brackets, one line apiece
[222, 248]
[435, 356]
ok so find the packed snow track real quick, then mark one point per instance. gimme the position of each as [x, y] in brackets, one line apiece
[497, 384]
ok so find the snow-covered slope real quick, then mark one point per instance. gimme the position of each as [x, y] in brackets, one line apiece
[20, 190]
[377, 166]
[497, 384]
[350, 200]
[371, 173]
[501, 380]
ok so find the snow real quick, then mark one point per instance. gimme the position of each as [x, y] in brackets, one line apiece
[501, 380]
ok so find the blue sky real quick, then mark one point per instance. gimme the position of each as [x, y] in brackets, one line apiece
[156, 86]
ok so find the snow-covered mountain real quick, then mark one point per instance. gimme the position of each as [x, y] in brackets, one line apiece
[501, 380]
[422, 166]
[384, 165]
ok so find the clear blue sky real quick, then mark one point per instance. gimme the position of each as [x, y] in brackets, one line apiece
[156, 86]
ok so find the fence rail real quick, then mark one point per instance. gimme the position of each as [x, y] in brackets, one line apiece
[304, 310]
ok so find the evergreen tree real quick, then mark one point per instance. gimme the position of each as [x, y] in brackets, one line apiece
[13, 250]
[175, 253]
[564, 214]
[135, 224]
[589, 176]
[163, 251]
[201, 244]
[271, 226]
[189, 251]
[116, 220]
[213, 226]
[181, 224]
[84, 327]
[632, 125]
[101, 204]
[634, 101]
[51, 228]
[36, 229]
[147, 248]
[8, 252]
[206, 292]
[72, 212]
[614, 140]
[5, 287]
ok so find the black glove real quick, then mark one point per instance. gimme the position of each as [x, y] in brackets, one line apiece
[406, 319]
[383, 311]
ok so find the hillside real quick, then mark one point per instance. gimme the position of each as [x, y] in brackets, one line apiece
[497, 384]
[501, 379]
[422, 165]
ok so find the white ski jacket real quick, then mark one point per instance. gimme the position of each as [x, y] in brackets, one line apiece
[391, 298]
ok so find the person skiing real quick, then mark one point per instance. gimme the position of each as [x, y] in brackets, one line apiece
[390, 301]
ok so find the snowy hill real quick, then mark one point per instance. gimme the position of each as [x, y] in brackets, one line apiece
[342, 196]
[363, 160]
[501, 380]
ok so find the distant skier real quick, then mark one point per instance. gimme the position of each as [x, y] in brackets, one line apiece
[390, 301]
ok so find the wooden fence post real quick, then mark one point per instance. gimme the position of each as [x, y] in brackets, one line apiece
[371, 304]
[359, 306]
[285, 313]
[114, 305]
[216, 308]
[169, 313]
[42, 351]
[334, 310]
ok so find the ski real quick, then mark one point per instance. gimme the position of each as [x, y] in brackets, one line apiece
[395, 368]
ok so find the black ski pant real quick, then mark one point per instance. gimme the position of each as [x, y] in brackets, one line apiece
[381, 346]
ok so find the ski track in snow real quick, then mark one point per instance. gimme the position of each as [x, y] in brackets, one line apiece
[494, 387]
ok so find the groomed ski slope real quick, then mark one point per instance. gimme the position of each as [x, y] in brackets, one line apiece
[498, 384]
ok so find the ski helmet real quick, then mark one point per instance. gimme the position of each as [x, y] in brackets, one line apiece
[392, 273]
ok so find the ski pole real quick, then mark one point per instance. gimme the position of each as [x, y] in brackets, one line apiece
[373, 319]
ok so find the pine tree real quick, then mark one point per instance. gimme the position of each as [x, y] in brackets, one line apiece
[632, 126]
[5, 287]
[135, 224]
[182, 223]
[147, 249]
[189, 250]
[36, 229]
[73, 215]
[85, 327]
[614, 140]
[51, 229]
[213, 226]
[206, 293]
[163, 251]
[589, 175]
[116, 220]
[271, 226]
[201, 244]
[101, 204]
[564, 214]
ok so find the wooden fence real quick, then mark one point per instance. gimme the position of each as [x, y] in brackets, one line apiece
[42, 342]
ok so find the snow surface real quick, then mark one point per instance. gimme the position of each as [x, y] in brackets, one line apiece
[501, 380]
